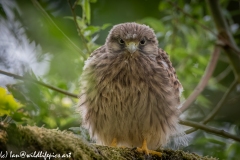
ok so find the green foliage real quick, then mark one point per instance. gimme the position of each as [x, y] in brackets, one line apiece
[206, 144]
[86, 14]
[8, 105]
[66, 47]
[44, 107]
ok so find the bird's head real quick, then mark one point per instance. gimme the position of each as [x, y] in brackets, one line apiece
[132, 39]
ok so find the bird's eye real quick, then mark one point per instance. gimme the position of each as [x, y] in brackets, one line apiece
[121, 41]
[143, 42]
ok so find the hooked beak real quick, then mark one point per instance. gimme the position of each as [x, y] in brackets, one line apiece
[132, 47]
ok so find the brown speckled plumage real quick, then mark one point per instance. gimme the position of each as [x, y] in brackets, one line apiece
[130, 96]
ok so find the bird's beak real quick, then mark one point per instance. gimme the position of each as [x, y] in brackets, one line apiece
[132, 47]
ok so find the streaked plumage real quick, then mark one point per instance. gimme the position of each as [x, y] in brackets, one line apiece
[129, 90]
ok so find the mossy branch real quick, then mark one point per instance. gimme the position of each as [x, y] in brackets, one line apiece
[31, 138]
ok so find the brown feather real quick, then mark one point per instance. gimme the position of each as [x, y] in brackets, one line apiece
[130, 96]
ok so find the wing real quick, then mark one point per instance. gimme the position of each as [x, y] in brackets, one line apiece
[99, 51]
[94, 57]
[163, 60]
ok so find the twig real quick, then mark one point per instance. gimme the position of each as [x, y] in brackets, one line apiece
[74, 5]
[36, 3]
[75, 21]
[220, 103]
[38, 82]
[210, 129]
[212, 114]
[223, 74]
[203, 82]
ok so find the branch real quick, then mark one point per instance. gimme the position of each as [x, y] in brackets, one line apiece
[223, 74]
[221, 133]
[224, 34]
[220, 103]
[37, 5]
[204, 80]
[39, 83]
[75, 21]
[217, 108]
[56, 142]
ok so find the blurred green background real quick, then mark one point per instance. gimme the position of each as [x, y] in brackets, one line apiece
[39, 39]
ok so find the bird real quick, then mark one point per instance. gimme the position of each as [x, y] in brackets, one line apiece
[130, 93]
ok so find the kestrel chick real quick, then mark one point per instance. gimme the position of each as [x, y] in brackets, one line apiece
[130, 91]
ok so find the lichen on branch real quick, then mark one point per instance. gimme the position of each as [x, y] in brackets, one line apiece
[15, 139]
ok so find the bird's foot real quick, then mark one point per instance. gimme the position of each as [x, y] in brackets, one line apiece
[114, 143]
[145, 150]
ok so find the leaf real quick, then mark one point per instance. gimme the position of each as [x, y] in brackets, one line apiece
[19, 116]
[28, 94]
[106, 25]
[90, 30]
[50, 121]
[8, 105]
[86, 10]
[81, 23]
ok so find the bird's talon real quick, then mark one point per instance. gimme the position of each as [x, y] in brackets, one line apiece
[114, 143]
[159, 154]
[144, 149]
[147, 152]
[141, 150]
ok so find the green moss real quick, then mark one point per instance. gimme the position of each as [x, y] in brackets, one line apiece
[31, 138]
